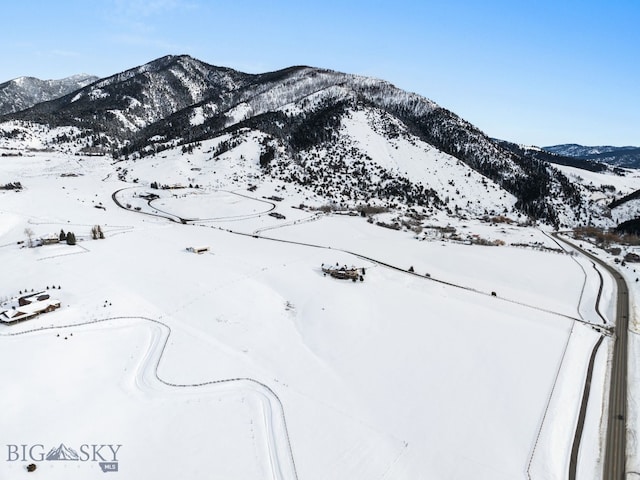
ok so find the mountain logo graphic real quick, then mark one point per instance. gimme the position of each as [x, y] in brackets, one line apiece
[62, 453]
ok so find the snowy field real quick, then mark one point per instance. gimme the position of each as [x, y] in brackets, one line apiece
[247, 362]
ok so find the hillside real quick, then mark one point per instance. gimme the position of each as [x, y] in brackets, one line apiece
[350, 139]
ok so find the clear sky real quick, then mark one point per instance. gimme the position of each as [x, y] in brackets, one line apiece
[537, 72]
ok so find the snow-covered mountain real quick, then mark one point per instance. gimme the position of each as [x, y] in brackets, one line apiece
[550, 157]
[24, 92]
[627, 157]
[349, 138]
[582, 151]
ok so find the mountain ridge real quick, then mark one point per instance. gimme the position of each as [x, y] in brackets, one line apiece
[626, 156]
[299, 113]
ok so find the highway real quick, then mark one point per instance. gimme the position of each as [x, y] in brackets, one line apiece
[615, 442]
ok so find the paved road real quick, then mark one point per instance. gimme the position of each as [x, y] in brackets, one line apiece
[615, 454]
[615, 445]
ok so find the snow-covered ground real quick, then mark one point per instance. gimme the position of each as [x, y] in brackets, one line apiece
[247, 362]
[626, 183]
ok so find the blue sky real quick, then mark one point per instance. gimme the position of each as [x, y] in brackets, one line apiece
[534, 72]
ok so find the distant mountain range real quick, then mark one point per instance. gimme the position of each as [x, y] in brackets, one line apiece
[24, 92]
[551, 157]
[627, 157]
[314, 128]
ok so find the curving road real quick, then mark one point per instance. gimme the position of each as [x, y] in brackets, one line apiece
[615, 444]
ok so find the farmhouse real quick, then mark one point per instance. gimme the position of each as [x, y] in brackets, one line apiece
[344, 272]
[50, 240]
[46, 240]
[27, 310]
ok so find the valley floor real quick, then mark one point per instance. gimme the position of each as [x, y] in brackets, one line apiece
[448, 361]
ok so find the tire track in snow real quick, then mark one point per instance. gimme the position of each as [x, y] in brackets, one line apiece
[600, 286]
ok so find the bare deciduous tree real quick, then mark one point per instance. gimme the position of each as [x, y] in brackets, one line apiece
[29, 233]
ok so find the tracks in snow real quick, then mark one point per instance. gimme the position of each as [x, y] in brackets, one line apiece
[280, 452]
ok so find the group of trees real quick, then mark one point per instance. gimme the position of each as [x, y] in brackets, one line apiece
[157, 186]
[267, 155]
[97, 233]
[68, 237]
[11, 186]
[189, 147]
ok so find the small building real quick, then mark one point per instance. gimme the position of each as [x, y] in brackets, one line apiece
[49, 240]
[198, 250]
